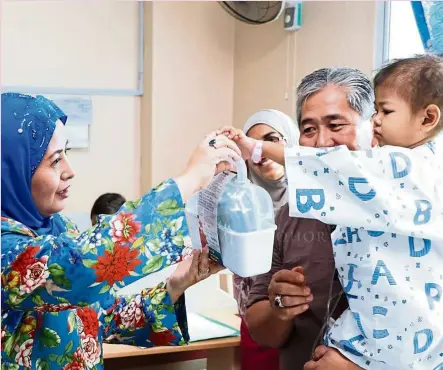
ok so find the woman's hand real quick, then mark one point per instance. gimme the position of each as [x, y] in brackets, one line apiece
[245, 143]
[212, 156]
[326, 358]
[195, 267]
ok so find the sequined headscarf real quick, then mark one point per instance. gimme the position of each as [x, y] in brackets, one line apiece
[27, 125]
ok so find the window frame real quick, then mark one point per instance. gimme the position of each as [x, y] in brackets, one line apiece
[382, 33]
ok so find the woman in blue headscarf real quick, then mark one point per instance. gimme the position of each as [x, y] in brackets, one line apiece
[59, 287]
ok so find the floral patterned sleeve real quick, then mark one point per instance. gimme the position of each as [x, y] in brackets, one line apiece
[145, 320]
[81, 269]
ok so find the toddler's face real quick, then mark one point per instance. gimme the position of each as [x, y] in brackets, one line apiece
[394, 122]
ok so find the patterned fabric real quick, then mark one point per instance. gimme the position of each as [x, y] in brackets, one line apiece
[434, 17]
[390, 254]
[242, 286]
[429, 19]
[60, 294]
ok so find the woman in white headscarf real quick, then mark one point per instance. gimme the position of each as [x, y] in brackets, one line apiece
[274, 126]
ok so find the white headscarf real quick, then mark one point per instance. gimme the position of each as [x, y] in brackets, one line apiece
[286, 127]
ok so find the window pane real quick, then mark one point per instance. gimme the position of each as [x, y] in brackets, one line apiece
[404, 39]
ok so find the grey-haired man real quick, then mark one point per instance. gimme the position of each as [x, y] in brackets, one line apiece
[288, 305]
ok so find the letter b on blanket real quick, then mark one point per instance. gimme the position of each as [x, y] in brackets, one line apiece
[315, 198]
[423, 214]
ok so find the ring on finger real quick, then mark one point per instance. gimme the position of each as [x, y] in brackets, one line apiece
[278, 301]
[203, 272]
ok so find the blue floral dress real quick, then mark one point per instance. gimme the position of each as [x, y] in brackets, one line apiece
[60, 294]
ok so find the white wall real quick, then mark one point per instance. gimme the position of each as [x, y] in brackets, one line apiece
[134, 142]
[336, 34]
[82, 44]
[69, 43]
[203, 69]
[192, 50]
[333, 33]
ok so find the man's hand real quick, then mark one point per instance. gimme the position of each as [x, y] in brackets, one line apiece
[295, 295]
